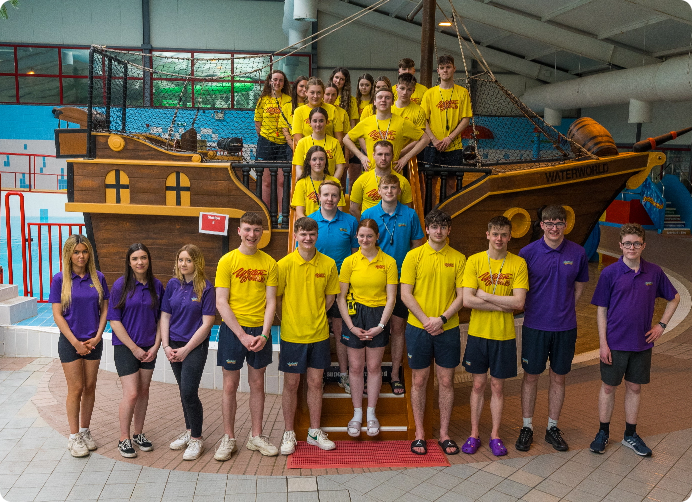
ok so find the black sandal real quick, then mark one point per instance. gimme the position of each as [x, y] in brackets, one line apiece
[419, 443]
[448, 443]
[398, 386]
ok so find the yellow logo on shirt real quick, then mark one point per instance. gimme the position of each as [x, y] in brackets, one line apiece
[250, 274]
[343, 230]
[401, 225]
[373, 194]
[379, 267]
[378, 135]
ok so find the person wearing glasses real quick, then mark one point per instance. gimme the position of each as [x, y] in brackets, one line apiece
[625, 296]
[558, 271]
[400, 231]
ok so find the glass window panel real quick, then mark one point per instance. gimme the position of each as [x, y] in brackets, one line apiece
[132, 71]
[39, 90]
[74, 91]
[213, 94]
[7, 90]
[244, 66]
[213, 65]
[295, 66]
[246, 94]
[75, 61]
[172, 63]
[37, 60]
[167, 93]
[6, 59]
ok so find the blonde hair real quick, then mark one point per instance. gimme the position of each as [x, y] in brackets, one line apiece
[68, 249]
[199, 282]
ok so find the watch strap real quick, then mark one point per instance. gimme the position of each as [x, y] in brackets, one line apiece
[444, 319]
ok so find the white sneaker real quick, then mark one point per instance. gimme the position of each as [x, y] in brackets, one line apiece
[194, 450]
[181, 441]
[77, 446]
[319, 438]
[225, 449]
[288, 443]
[88, 440]
[344, 383]
[261, 444]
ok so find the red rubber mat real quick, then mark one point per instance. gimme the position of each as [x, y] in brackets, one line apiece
[365, 454]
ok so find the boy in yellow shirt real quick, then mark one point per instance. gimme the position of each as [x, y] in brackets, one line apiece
[408, 66]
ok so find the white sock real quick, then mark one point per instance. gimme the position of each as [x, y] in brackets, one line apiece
[551, 423]
[371, 414]
[528, 422]
[82, 429]
[342, 374]
[358, 414]
[72, 436]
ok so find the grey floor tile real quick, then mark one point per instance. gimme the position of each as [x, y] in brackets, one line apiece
[40, 466]
[454, 497]
[673, 485]
[35, 479]
[462, 471]
[122, 477]
[182, 476]
[485, 479]
[327, 483]
[210, 488]
[385, 493]
[334, 496]
[577, 495]
[402, 482]
[470, 489]
[179, 490]
[539, 496]
[428, 491]
[150, 475]
[512, 488]
[444, 480]
[22, 494]
[619, 495]
[662, 495]
[234, 485]
[241, 497]
[272, 497]
[553, 488]
[495, 496]
[303, 497]
[9, 467]
[53, 493]
[121, 491]
[93, 477]
[85, 492]
[63, 478]
[7, 480]
[272, 485]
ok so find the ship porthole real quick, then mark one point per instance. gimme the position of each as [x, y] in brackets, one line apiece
[521, 221]
[116, 143]
[570, 219]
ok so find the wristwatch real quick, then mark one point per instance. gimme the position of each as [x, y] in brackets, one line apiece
[662, 324]
[381, 326]
[444, 319]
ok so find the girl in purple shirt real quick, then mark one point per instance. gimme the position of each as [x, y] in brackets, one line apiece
[80, 304]
[188, 309]
[134, 315]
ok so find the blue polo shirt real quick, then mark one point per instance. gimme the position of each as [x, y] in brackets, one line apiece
[186, 308]
[137, 316]
[84, 313]
[396, 230]
[629, 297]
[336, 237]
[550, 302]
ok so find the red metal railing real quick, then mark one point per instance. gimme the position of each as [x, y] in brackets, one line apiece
[8, 235]
[32, 173]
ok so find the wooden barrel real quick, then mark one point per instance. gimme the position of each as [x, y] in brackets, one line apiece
[593, 137]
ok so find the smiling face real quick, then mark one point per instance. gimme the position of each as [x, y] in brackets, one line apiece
[302, 89]
[250, 235]
[329, 197]
[339, 80]
[364, 86]
[306, 239]
[389, 192]
[367, 238]
[318, 122]
[553, 231]
[277, 82]
[80, 256]
[318, 161]
[139, 262]
[628, 246]
[315, 93]
[330, 95]
[185, 263]
[499, 237]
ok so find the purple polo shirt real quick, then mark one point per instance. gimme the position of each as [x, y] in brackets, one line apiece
[552, 273]
[84, 313]
[186, 309]
[137, 316]
[629, 297]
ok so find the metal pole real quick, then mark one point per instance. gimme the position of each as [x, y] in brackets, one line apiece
[90, 104]
[427, 43]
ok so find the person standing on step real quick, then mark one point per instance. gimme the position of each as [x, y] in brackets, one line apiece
[305, 193]
[308, 285]
[134, 314]
[625, 296]
[431, 279]
[408, 66]
[188, 310]
[336, 164]
[299, 96]
[558, 270]
[79, 296]
[494, 286]
[246, 281]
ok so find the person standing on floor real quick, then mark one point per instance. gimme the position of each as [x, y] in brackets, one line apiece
[188, 310]
[134, 314]
[79, 296]
[558, 270]
[246, 280]
[625, 296]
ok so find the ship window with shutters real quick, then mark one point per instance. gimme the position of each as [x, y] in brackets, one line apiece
[177, 189]
[117, 187]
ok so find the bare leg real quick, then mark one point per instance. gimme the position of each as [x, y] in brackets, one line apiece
[497, 401]
[74, 375]
[142, 400]
[632, 399]
[91, 370]
[289, 398]
[556, 395]
[529, 389]
[256, 380]
[374, 359]
[314, 378]
[231, 380]
[445, 380]
[418, 391]
[477, 398]
[397, 325]
[130, 385]
[606, 402]
[356, 363]
[341, 349]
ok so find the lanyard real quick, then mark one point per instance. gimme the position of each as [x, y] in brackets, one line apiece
[497, 280]
[446, 107]
[391, 235]
[317, 194]
[386, 134]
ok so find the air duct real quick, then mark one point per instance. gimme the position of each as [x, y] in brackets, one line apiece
[295, 31]
[305, 10]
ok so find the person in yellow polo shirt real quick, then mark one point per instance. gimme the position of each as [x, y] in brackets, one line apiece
[246, 281]
[404, 106]
[431, 278]
[494, 286]
[308, 285]
[408, 66]
[371, 275]
[306, 192]
[336, 163]
[299, 97]
[301, 115]
[331, 94]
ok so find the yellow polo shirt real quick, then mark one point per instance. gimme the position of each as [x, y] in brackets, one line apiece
[369, 279]
[446, 108]
[268, 112]
[247, 278]
[352, 108]
[343, 117]
[305, 194]
[365, 190]
[303, 286]
[301, 120]
[417, 95]
[363, 105]
[434, 275]
[477, 275]
[396, 130]
[335, 154]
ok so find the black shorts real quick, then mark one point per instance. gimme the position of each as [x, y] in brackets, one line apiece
[366, 318]
[68, 354]
[400, 309]
[268, 150]
[634, 366]
[422, 348]
[433, 156]
[333, 311]
[538, 346]
[500, 356]
[127, 364]
[231, 353]
[298, 357]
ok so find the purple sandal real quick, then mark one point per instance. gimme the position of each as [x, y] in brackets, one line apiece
[471, 445]
[498, 447]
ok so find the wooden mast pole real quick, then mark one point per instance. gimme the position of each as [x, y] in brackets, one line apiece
[427, 45]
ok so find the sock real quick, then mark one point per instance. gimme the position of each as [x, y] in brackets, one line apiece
[357, 415]
[630, 429]
[528, 422]
[342, 374]
[605, 427]
[551, 423]
[82, 429]
[371, 413]
[72, 436]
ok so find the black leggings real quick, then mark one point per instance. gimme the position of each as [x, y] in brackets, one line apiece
[188, 374]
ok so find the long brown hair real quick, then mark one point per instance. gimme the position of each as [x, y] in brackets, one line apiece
[70, 244]
[267, 89]
[199, 281]
[130, 280]
[345, 92]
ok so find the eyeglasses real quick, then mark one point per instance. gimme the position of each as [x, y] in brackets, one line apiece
[549, 224]
[630, 244]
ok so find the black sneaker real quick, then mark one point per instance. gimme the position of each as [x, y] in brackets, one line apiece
[554, 437]
[142, 442]
[126, 449]
[525, 439]
[598, 445]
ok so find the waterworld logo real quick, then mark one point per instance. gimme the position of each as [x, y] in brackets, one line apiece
[230, 361]
[292, 364]
[194, 299]
[250, 274]
[568, 262]
[576, 172]
[648, 283]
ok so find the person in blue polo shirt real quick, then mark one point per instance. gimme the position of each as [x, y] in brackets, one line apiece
[625, 296]
[558, 270]
[336, 238]
[400, 231]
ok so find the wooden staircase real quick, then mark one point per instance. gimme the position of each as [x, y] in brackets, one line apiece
[673, 223]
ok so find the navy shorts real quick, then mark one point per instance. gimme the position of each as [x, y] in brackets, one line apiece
[498, 355]
[366, 318]
[298, 357]
[333, 311]
[268, 150]
[538, 346]
[634, 366]
[68, 354]
[400, 308]
[231, 353]
[422, 348]
[127, 364]
[452, 158]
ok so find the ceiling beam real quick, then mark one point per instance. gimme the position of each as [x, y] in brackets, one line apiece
[618, 30]
[564, 9]
[539, 54]
[673, 9]
[495, 39]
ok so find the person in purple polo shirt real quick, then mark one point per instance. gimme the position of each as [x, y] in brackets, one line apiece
[134, 315]
[80, 304]
[625, 297]
[188, 309]
[558, 270]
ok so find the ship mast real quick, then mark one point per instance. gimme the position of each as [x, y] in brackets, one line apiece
[427, 46]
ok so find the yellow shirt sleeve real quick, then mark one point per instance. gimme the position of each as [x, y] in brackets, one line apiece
[299, 153]
[273, 275]
[223, 274]
[333, 287]
[357, 190]
[521, 281]
[357, 132]
[299, 120]
[287, 117]
[392, 271]
[470, 279]
[406, 193]
[408, 268]
[459, 279]
[259, 110]
[346, 270]
[412, 131]
[338, 151]
[299, 194]
[367, 111]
